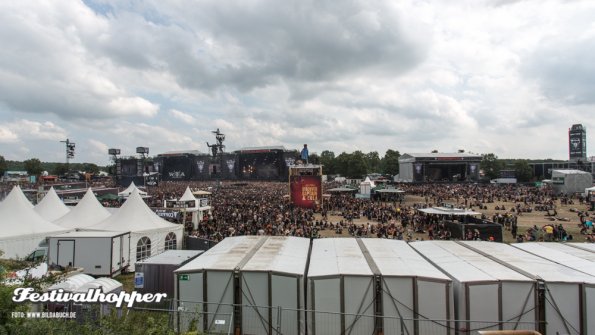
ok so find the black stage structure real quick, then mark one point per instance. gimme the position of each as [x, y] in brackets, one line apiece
[255, 163]
[439, 167]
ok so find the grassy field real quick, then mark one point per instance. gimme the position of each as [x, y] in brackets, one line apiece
[525, 220]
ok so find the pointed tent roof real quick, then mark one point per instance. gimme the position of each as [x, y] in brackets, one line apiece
[127, 192]
[187, 195]
[367, 180]
[133, 216]
[19, 194]
[19, 218]
[51, 207]
[87, 212]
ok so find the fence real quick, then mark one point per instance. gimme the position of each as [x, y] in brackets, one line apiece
[213, 318]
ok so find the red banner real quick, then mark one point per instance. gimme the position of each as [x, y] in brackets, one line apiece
[306, 191]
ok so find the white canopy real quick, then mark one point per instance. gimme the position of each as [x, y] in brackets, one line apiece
[448, 211]
[21, 228]
[137, 218]
[51, 207]
[187, 196]
[87, 212]
[127, 192]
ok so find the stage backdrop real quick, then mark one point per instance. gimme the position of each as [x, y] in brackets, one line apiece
[306, 191]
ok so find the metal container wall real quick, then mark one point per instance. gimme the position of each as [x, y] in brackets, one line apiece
[340, 281]
[566, 290]
[485, 291]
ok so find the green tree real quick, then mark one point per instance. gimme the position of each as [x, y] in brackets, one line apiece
[373, 162]
[327, 159]
[356, 165]
[91, 168]
[523, 171]
[60, 169]
[33, 167]
[341, 163]
[3, 165]
[313, 158]
[491, 165]
[390, 162]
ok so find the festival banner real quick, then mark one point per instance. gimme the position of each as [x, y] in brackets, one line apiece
[306, 191]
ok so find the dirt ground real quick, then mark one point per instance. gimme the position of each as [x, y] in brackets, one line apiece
[525, 220]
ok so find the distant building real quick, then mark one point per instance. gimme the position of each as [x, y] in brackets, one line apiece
[571, 181]
[577, 143]
[429, 167]
[15, 176]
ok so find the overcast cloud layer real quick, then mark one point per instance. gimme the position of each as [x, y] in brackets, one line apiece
[491, 76]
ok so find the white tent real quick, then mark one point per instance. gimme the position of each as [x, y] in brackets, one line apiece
[21, 228]
[127, 192]
[148, 232]
[87, 212]
[366, 186]
[187, 196]
[589, 190]
[51, 207]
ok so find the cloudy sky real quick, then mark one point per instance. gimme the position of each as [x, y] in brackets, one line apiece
[488, 76]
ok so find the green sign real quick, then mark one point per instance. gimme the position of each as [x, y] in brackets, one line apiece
[184, 277]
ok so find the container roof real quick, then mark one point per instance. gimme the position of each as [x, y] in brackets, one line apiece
[281, 254]
[397, 258]
[226, 255]
[106, 284]
[175, 257]
[585, 246]
[534, 266]
[337, 256]
[558, 256]
[570, 249]
[72, 283]
[465, 265]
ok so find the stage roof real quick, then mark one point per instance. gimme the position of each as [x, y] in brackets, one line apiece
[182, 152]
[261, 149]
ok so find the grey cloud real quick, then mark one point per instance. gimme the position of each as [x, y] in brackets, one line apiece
[261, 43]
[564, 70]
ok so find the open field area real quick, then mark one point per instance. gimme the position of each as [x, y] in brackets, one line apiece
[566, 212]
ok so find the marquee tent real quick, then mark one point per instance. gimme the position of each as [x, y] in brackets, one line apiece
[149, 234]
[127, 192]
[21, 228]
[187, 196]
[51, 207]
[86, 213]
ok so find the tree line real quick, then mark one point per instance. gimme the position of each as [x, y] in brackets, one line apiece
[35, 167]
[357, 164]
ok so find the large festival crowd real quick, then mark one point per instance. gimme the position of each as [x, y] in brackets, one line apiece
[263, 208]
